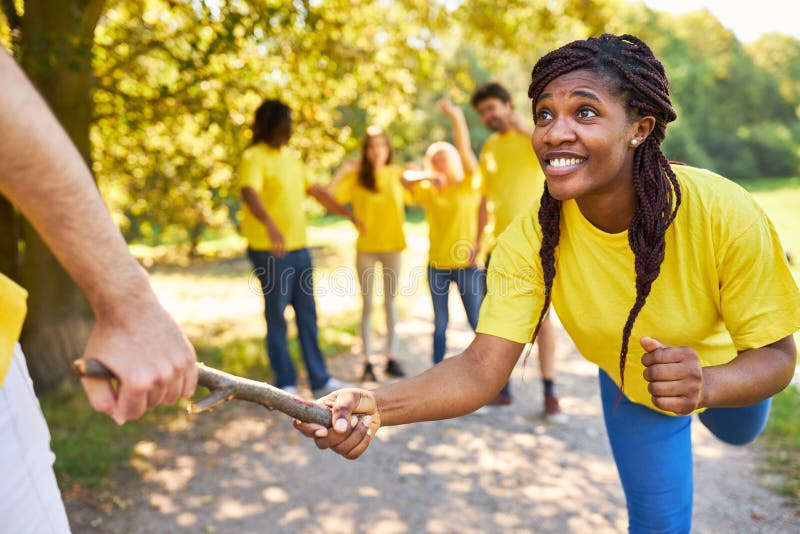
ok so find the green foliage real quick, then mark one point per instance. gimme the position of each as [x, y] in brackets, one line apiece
[91, 447]
[782, 437]
[176, 84]
[733, 117]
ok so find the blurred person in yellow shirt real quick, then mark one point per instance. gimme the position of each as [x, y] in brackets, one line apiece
[373, 188]
[512, 182]
[449, 190]
[274, 182]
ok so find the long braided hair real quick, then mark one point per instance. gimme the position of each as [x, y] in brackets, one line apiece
[640, 80]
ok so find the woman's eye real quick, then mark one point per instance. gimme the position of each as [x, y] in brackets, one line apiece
[542, 115]
[586, 113]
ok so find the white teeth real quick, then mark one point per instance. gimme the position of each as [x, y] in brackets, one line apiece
[565, 162]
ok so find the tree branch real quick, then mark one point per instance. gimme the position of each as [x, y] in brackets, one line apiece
[225, 386]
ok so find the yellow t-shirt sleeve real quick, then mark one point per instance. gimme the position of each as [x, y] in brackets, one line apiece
[515, 287]
[343, 192]
[12, 315]
[251, 170]
[759, 297]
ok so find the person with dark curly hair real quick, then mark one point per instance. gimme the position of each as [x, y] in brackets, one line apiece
[273, 183]
[632, 251]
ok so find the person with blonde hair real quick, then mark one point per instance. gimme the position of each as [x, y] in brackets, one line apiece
[448, 188]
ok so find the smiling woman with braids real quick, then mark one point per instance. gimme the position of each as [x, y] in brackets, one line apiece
[677, 260]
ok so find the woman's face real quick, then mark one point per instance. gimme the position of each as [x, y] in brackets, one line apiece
[378, 150]
[583, 138]
[439, 162]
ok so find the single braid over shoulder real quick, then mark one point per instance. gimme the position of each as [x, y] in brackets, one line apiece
[642, 82]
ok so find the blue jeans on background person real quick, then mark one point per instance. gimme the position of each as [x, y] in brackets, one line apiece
[653, 453]
[470, 283]
[284, 281]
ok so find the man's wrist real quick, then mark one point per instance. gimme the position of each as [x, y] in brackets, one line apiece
[124, 297]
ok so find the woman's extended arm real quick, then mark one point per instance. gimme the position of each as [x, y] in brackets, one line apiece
[324, 197]
[454, 387]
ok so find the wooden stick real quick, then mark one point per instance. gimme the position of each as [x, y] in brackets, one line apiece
[224, 387]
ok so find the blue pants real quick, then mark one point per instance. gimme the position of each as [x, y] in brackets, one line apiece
[653, 453]
[469, 281]
[285, 281]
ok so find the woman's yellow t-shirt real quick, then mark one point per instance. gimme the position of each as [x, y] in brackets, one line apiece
[281, 181]
[452, 215]
[724, 285]
[382, 211]
[12, 314]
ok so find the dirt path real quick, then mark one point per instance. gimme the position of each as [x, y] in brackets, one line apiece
[241, 469]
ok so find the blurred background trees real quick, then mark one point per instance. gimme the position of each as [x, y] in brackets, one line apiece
[158, 96]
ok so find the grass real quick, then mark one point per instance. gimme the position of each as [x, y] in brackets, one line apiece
[90, 448]
[782, 443]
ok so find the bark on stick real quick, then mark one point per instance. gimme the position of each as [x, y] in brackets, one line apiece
[224, 386]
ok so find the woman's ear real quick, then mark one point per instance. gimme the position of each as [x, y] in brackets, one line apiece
[642, 127]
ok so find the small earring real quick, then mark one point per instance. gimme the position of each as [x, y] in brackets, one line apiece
[634, 142]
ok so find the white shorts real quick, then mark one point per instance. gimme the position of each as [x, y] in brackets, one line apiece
[30, 500]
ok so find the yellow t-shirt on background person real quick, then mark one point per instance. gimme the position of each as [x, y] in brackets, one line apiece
[452, 215]
[724, 285]
[512, 176]
[281, 181]
[12, 314]
[382, 211]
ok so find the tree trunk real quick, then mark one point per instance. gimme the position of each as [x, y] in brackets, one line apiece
[55, 51]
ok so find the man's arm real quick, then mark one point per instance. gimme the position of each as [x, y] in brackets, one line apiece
[521, 124]
[43, 174]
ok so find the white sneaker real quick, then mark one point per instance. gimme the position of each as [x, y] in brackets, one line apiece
[330, 386]
[292, 390]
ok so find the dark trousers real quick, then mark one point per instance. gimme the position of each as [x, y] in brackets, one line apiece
[285, 281]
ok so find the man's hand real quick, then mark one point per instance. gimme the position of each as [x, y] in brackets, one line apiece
[675, 376]
[350, 436]
[145, 349]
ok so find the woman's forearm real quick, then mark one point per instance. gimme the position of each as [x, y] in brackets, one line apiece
[754, 375]
[454, 387]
